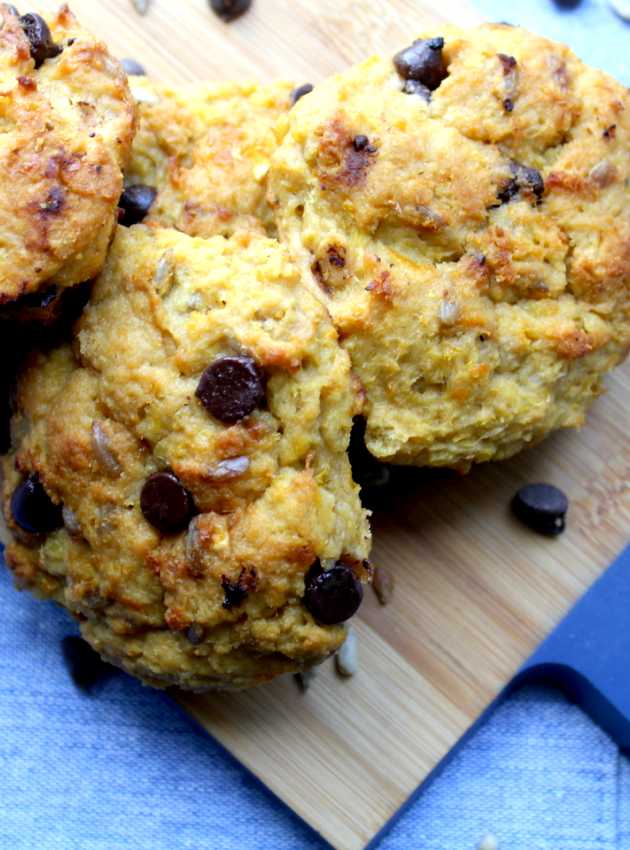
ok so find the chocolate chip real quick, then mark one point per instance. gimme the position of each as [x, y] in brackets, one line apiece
[525, 180]
[195, 634]
[42, 45]
[414, 87]
[235, 593]
[360, 142]
[332, 596]
[423, 62]
[166, 503]
[85, 666]
[33, 509]
[231, 388]
[299, 92]
[508, 104]
[610, 132]
[134, 203]
[229, 10]
[133, 68]
[542, 507]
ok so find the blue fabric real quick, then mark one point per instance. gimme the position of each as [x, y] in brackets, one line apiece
[126, 770]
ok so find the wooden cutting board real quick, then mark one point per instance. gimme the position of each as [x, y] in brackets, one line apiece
[475, 593]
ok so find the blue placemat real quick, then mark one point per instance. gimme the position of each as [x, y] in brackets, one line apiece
[126, 770]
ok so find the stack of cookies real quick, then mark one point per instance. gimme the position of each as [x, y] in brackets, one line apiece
[436, 242]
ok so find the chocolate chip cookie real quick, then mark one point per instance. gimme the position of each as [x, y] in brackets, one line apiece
[203, 151]
[68, 121]
[179, 478]
[463, 209]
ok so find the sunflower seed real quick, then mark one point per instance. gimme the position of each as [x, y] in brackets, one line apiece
[383, 585]
[347, 659]
[102, 449]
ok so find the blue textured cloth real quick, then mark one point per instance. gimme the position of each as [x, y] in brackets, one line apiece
[125, 769]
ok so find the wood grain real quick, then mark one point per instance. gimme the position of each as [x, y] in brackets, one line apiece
[475, 592]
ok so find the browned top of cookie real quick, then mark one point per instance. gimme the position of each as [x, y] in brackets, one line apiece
[67, 121]
[464, 211]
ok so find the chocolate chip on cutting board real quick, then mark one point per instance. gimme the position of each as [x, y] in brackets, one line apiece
[541, 507]
[33, 509]
[85, 666]
[231, 388]
[134, 203]
[166, 503]
[332, 596]
[39, 36]
[229, 10]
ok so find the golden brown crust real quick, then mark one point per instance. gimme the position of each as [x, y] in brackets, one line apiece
[67, 132]
[273, 492]
[480, 310]
[206, 149]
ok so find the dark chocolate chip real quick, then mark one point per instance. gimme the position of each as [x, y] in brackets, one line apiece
[33, 509]
[525, 180]
[414, 87]
[42, 45]
[229, 10]
[508, 104]
[299, 92]
[231, 388]
[542, 507]
[362, 143]
[132, 67]
[166, 503]
[195, 634]
[86, 667]
[610, 132]
[423, 62]
[235, 592]
[332, 596]
[134, 203]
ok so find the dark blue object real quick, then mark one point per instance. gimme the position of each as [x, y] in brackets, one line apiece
[588, 654]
